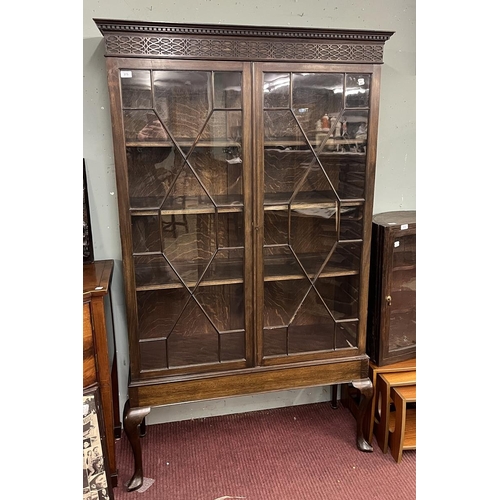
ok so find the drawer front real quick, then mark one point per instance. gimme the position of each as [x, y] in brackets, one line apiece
[89, 367]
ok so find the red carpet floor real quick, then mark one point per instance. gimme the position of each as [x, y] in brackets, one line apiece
[294, 453]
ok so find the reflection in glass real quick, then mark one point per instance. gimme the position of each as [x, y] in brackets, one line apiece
[312, 328]
[280, 263]
[281, 301]
[341, 295]
[183, 101]
[276, 90]
[351, 222]
[275, 341]
[317, 100]
[146, 234]
[232, 346]
[223, 304]
[357, 91]
[154, 271]
[151, 172]
[136, 88]
[194, 339]
[153, 355]
[403, 319]
[227, 90]
[158, 310]
[190, 249]
[144, 126]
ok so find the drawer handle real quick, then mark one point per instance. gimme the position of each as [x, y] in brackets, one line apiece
[388, 299]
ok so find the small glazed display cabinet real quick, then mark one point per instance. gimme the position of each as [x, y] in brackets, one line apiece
[245, 163]
[392, 322]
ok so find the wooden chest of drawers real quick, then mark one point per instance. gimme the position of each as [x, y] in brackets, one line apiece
[99, 360]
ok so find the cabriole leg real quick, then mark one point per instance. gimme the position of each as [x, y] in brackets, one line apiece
[365, 390]
[132, 419]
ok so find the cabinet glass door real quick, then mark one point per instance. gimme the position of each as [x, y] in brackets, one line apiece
[186, 164]
[402, 295]
[313, 155]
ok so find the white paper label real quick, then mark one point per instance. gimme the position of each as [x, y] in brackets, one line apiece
[404, 226]
[396, 244]
[126, 74]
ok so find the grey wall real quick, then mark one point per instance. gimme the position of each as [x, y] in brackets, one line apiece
[395, 182]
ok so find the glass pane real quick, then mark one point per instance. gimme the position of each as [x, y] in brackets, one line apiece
[224, 305]
[281, 131]
[193, 340]
[232, 346]
[340, 295]
[317, 100]
[230, 230]
[313, 234]
[276, 90]
[280, 263]
[219, 176]
[344, 260]
[183, 101]
[351, 222]
[276, 230]
[346, 335]
[226, 266]
[144, 126]
[158, 310]
[187, 194]
[146, 234]
[227, 90]
[223, 129]
[297, 174]
[190, 247]
[357, 91]
[154, 270]
[136, 89]
[281, 300]
[312, 328]
[346, 173]
[153, 355]
[151, 172]
[403, 320]
[275, 341]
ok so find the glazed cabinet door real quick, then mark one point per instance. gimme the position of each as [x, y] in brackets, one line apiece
[316, 127]
[399, 318]
[183, 162]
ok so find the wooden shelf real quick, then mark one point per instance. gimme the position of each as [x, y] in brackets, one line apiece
[183, 143]
[410, 437]
[156, 274]
[308, 200]
[152, 205]
[278, 267]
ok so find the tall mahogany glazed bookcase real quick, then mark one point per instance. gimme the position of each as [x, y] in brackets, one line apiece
[245, 163]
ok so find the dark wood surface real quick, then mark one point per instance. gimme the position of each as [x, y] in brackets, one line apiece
[245, 233]
[392, 297]
[99, 358]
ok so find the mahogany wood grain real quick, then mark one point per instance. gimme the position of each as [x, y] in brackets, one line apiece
[99, 358]
[287, 306]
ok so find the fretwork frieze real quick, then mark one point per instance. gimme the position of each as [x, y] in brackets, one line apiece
[154, 46]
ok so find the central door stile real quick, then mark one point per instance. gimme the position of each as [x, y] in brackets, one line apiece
[258, 212]
[248, 202]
